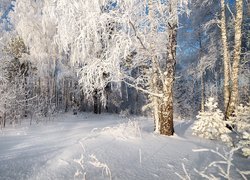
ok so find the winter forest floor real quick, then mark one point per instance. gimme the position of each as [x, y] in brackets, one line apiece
[93, 147]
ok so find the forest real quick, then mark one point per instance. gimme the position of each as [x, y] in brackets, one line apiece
[168, 61]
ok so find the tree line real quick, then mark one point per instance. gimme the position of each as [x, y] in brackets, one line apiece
[135, 56]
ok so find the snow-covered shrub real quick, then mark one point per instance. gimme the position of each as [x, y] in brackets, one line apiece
[124, 131]
[245, 144]
[210, 124]
[241, 122]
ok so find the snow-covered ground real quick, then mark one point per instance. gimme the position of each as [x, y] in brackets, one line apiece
[105, 146]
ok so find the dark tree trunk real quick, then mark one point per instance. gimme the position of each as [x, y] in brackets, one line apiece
[97, 102]
[4, 119]
[26, 96]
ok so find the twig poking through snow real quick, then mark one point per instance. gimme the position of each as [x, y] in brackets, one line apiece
[82, 146]
[96, 163]
[186, 177]
[140, 155]
[227, 159]
[79, 173]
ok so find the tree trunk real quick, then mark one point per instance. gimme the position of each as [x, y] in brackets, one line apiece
[97, 102]
[163, 107]
[167, 108]
[202, 93]
[26, 88]
[4, 115]
[82, 102]
[202, 77]
[65, 94]
[226, 56]
[155, 74]
[154, 99]
[236, 58]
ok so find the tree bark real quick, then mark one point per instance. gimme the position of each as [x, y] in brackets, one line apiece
[163, 107]
[226, 56]
[202, 77]
[167, 107]
[202, 93]
[154, 99]
[236, 58]
[4, 116]
[97, 102]
[155, 76]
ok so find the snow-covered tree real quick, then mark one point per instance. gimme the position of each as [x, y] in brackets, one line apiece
[5, 94]
[228, 16]
[16, 71]
[210, 124]
[106, 42]
[100, 36]
[54, 82]
[231, 72]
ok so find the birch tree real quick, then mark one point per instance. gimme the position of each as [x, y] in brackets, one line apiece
[54, 79]
[167, 75]
[226, 55]
[84, 34]
[230, 63]
[234, 97]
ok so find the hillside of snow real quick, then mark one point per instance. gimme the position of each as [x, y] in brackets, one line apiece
[95, 147]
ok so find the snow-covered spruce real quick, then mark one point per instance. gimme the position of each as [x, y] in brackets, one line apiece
[210, 124]
[241, 121]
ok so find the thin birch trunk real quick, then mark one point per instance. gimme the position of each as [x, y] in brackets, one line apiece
[226, 56]
[202, 78]
[154, 79]
[236, 58]
[202, 93]
[155, 100]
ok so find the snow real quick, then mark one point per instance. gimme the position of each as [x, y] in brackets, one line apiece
[102, 147]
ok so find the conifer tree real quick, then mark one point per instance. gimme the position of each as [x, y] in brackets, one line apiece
[210, 124]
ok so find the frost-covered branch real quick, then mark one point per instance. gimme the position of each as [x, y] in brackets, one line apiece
[225, 166]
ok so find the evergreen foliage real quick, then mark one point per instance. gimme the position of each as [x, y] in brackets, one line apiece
[210, 124]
